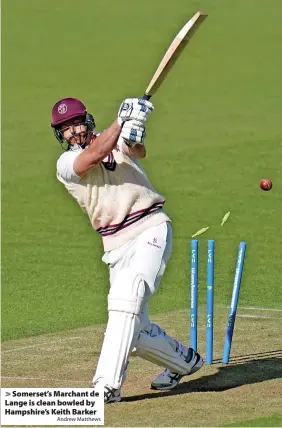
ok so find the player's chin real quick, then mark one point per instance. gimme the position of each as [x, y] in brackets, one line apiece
[79, 139]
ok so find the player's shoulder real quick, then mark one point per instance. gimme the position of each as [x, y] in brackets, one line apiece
[65, 171]
[68, 156]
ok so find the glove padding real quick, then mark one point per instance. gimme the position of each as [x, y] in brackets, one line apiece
[133, 132]
[135, 109]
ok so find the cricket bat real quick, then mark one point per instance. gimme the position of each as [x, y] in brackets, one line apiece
[173, 52]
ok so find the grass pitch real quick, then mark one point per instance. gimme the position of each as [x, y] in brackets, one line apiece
[249, 387]
[273, 421]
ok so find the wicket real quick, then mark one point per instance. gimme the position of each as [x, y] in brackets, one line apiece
[194, 295]
[210, 299]
[210, 302]
[234, 302]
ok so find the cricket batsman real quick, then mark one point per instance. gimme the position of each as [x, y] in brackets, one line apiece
[102, 172]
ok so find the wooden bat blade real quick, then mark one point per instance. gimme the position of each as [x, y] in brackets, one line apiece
[174, 51]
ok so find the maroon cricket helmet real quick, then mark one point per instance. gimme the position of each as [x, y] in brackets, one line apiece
[66, 109]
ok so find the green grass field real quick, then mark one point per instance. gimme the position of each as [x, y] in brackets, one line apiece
[275, 420]
[216, 131]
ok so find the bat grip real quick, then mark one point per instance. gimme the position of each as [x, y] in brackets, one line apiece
[146, 97]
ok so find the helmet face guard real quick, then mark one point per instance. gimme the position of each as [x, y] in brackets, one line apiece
[65, 110]
[88, 121]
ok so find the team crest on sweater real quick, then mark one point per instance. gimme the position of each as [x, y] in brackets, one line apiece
[109, 162]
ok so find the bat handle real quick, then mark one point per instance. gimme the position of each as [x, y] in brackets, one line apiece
[146, 97]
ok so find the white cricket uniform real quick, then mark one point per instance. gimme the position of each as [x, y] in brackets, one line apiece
[116, 195]
[127, 211]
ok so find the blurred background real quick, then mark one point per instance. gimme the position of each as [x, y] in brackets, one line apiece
[215, 132]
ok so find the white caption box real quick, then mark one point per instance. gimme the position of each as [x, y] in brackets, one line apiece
[52, 406]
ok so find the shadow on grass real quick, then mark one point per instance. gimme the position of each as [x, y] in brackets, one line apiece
[254, 356]
[230, 376]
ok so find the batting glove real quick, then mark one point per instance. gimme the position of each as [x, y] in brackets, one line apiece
[134, 109]
[133, 132]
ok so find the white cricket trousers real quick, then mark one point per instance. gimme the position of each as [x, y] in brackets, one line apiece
[135, 269]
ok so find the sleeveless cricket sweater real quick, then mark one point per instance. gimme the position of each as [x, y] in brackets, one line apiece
[116, 195]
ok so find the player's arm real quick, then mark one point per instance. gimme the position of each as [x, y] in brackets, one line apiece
[138, 151]
[133, 135]
[97, 150]
[133, 111]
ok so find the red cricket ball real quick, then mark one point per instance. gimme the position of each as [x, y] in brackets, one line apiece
[266, 184]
